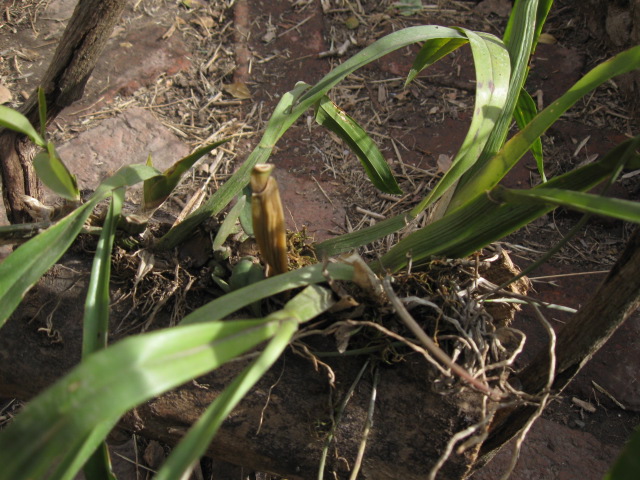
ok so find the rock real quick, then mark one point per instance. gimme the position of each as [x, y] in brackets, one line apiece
[129, 138]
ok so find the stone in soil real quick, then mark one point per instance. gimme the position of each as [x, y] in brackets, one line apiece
[123, 140]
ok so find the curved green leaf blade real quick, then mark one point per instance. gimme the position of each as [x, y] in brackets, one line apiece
[238, 299]
[493, 67]
[55, 175]
[519, 44]
[96, 307]
[484, 219]
[626, 210]
[14, 120]
[22, 269]
[330, 116]
[432, 51]
[291, 106]
[498, 166]
[309, 303]
[627, 466]
[525, 110]
[157, 189]
[110, 382]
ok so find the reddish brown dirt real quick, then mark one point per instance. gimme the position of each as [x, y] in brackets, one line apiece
[428, 121]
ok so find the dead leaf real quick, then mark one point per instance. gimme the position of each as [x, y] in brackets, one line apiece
[444, 163]
[238, 90]
[205, 22]
[547, 39]
[270, 35]
[27, 54]
[126, 44]
[5, 94]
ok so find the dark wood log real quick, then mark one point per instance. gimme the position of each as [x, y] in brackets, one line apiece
[77, 53]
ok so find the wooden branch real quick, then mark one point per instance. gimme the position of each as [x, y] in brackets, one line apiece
[77, 53]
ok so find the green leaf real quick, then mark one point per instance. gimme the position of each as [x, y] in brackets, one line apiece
[330, 116]
[525, 110]
[55, 175]
[308, 304]
[22, 269]
[110, 382]
[432, 51]
[291, 106]
[542, 10]
[627, 466]
[364, 236]
[408, 7]
[519, 45]
[229, 223]
[14, 120]
[42, 111]
[96, 322]
[221, 307]
[626, 210]
[96, 307]
[484, 219]
[157, 189]
[497, 167]
[492, 68]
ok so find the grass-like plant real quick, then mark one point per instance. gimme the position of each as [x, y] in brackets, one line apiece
[59, 431]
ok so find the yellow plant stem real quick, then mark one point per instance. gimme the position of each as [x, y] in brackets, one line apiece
[268, 219]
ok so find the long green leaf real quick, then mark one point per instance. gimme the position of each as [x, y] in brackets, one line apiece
[42, 112]
[626, 210]
[157, 189]
[432, 51]
[485, 219]
[627, 466]
[79, 451]
[308, 304]
[96, 322]
[291, 106]
[54, 173]
[238, 299]
[330, 116]
[22, 269]
[525, 111]
[498, 166]
[14, 120]
[519, 44]
[229, 223]
[542, 11]
[110, 382]
[96, 307]
[493, 69]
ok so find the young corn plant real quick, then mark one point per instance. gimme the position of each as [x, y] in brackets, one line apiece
[64, 427]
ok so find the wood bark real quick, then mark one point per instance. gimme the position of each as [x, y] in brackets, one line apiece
[77, 53]
[587, 331]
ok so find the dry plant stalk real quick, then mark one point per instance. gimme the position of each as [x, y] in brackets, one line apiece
[268, 219]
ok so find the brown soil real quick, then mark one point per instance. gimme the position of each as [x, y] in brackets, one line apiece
[189, 67]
